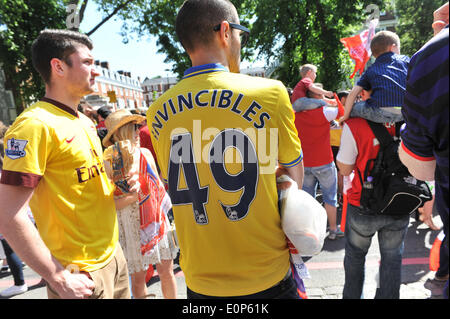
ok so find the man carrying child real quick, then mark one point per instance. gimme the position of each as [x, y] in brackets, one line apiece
[384, 83]
[299, 99]
[385, 79]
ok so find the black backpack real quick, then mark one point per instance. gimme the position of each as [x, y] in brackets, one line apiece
[393, 190]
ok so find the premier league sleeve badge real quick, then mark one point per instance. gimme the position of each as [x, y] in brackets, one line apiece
[15, 148]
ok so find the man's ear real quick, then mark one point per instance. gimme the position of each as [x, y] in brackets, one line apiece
[58, 67]
[224, 33]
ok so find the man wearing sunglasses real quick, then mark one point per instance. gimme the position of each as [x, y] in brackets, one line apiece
[218, 137]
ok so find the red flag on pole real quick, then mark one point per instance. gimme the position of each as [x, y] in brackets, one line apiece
[358, 47]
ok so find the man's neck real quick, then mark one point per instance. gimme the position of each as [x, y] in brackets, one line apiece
[202, 57]
[61, 95]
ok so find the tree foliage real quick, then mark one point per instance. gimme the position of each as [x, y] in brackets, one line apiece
[20, 23]
[415, 19]
[307, 31]
[285, 33]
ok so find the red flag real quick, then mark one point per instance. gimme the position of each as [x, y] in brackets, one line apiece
[435, 252]
[358, 47]
[341, 109]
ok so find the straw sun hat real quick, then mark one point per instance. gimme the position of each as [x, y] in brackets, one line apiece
[118, 119]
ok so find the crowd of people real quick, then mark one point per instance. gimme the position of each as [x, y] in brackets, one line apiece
[90, 232]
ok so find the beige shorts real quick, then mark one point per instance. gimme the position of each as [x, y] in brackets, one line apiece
[111, 281]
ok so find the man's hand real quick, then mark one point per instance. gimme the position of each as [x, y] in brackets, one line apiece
[440, 18]
[73, 285]
[282, 171]
[133, 179]
[426, 215]
[342, 119]
[428, 220]
[329, 94]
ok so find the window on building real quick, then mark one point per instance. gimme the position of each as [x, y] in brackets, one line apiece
[120, 103]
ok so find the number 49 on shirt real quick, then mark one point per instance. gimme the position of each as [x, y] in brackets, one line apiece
[182, 157]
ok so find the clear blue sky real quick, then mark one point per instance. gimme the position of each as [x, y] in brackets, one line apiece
[138, 57]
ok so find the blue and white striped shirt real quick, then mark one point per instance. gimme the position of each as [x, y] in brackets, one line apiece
[387, 80]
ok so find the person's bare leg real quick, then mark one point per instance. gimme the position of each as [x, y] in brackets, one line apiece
[138, 286]
[167, 277]
[331, 214]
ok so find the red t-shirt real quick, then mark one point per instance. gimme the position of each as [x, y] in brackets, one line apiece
[146, 141]
[367, 146]
[101, 124]
[301, 88]
[313, 129]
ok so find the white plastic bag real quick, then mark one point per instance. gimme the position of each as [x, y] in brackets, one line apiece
[303, 219]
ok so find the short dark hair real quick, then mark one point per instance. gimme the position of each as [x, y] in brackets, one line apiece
[56, 44]
[197, 19]
[104, 111]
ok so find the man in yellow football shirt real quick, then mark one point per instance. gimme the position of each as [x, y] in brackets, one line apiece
[53, 159]
[219, 137]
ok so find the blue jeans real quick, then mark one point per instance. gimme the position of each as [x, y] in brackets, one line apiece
[306, 103]
[326, 176]
[14, 263]
[359, 231]
[374, 114]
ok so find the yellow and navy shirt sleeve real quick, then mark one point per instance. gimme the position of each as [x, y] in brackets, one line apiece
[289, 147]
[26, 150]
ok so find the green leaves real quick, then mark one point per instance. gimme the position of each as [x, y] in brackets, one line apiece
[287, 33]
[307, 31]
[21, 21]
[415, 19]
[284, 33]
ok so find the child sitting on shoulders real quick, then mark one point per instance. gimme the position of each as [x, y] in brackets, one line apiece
[385, 79]
[300, 100]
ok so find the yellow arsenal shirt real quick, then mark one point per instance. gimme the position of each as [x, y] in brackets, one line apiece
[218, 137]
[57, 152]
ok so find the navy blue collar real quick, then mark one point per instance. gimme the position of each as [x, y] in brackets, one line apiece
[384, 57]
[205, 68]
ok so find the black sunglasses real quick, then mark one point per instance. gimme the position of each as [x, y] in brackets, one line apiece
[244, 34]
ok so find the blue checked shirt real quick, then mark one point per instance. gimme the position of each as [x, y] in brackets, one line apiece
[387, 80]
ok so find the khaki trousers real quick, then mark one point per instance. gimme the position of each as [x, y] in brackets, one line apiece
[111, 281]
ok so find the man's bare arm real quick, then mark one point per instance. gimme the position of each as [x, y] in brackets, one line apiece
[351, 98]
[345, 169]
[296, 173]
[423, 170]
[318, 90]
[24, 239]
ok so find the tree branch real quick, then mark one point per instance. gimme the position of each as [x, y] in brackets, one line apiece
[82, 9]
[117, 9]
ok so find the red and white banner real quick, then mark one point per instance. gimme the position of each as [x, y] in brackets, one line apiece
[358, 47]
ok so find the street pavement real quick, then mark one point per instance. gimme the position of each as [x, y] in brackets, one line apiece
[326, 270]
